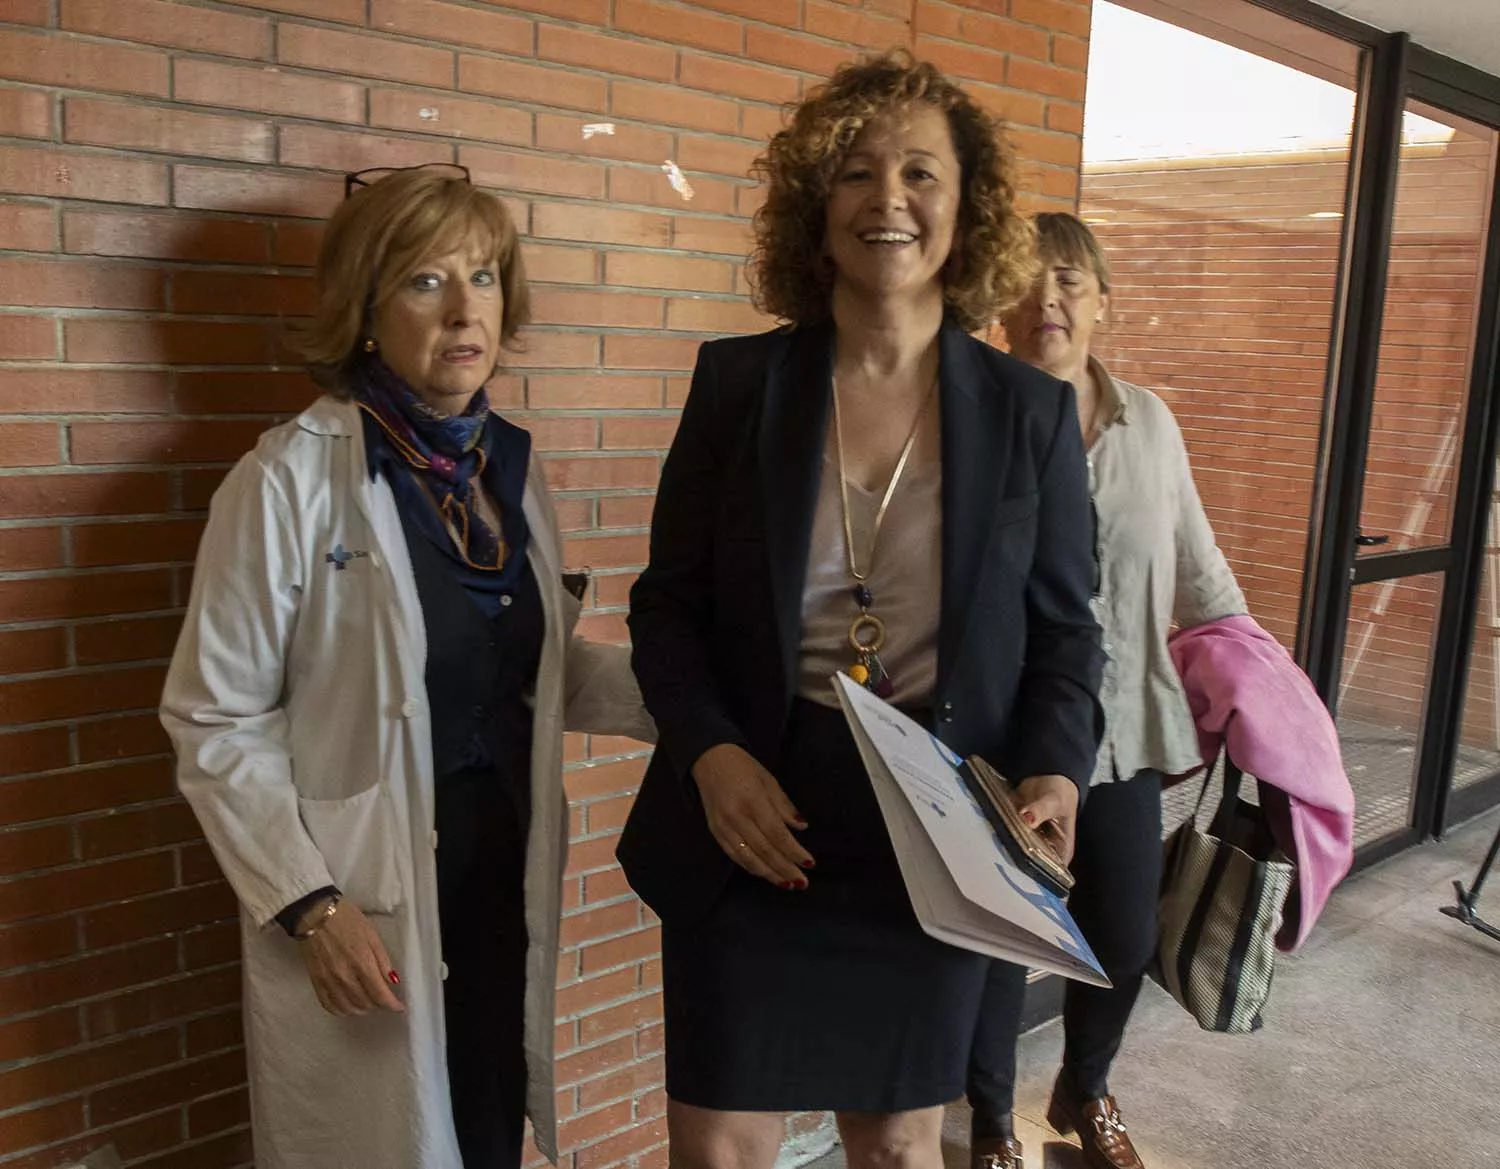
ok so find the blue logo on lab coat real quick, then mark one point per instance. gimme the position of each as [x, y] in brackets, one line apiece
[340, 557]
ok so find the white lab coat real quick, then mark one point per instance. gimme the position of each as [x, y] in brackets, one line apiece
[297, 705]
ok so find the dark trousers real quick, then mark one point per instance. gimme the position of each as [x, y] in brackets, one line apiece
[481, 910]
[1117, 872]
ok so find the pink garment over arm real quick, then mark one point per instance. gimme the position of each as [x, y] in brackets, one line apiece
[1247, 693]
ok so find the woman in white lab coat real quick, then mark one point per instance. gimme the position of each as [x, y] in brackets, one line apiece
[368, 701]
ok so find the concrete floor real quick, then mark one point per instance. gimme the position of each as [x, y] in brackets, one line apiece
[1381, 1045]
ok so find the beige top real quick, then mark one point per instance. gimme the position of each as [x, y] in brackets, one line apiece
[1159, 567]
[905, 581]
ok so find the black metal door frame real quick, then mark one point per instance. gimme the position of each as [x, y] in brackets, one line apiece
[1354, 356]
[1396, 71]
[1474, 95]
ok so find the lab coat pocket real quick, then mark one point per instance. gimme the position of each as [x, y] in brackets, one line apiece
[358, 839]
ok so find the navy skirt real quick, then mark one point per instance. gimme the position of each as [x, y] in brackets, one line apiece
[832, 998]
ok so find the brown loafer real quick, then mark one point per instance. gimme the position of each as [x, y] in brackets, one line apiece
[995, 1153]
[1101, 1131]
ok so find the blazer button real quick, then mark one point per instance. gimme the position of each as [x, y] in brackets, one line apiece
[945, 712]
[505, 600]
[410, 707]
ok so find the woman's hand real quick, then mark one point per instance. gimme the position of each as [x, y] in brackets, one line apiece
[748, 814]
[1049, 803]
[346, 960]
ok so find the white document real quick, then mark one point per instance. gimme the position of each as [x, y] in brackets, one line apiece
[964, 886]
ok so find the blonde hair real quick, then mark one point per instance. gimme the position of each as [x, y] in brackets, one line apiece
[1064, 237]
[993, 261]
[375, 241]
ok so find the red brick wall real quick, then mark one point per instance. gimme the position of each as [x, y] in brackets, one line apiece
[164, 167]
[1223, 304]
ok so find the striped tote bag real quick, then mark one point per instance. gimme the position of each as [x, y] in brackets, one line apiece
[1220, 907]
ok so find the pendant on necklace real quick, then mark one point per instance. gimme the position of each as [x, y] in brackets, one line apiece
[866, 636]
[867, 633]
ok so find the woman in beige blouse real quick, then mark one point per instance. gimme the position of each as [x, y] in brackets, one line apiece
[1158, 566]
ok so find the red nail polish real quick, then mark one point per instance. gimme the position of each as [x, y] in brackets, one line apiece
[800, 822]
[394, 977]
[808, 864]
[787, 885]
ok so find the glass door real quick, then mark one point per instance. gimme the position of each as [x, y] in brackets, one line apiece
[1420, 431]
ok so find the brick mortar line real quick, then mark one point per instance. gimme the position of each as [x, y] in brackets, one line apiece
[124, 418]
[75, 768]
[93, 570]
[581, 765]
[205, 1013]
[633, 1094]
[587, 803]
[66, 672]
[572, 767]
[76, 866]
[583, 1114]
[85, 954]
[278, 120]
[613, 936]
[604, 533]
[580, 112]
[280, 20]
[92, 815]
[634, 1060]
[22, 523]
[83, 1095]
[273, 219]
[640, 994]
[167, 265]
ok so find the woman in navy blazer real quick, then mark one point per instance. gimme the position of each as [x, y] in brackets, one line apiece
[869, 487]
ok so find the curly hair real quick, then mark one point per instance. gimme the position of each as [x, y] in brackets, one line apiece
[995, 261]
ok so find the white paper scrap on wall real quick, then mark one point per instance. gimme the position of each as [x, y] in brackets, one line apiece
[677, 179]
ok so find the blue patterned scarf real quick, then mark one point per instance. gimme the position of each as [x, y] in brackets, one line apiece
[444, 452]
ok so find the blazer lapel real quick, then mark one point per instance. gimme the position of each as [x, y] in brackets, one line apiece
[976, 442]
[793, 430]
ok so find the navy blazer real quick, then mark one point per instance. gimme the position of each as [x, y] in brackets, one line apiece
[715, 619]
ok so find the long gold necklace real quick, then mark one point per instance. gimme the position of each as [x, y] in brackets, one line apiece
[867, 633]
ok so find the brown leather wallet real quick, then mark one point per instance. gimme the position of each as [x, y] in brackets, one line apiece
[1026, 846]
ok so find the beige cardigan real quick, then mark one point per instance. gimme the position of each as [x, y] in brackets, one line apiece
[1159, 567]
